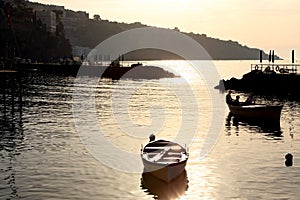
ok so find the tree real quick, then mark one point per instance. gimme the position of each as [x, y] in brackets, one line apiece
[176, 29]
[97, 17]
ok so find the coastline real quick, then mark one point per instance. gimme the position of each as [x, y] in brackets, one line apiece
[115, 73]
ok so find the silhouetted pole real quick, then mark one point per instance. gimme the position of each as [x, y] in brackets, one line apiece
[20, 95]
[123, 59]
[4, 94]
[273, 56]
[270, 56]
[10, 55]
[10, 85]
[260, 56]
[288, 160]
[293, 61]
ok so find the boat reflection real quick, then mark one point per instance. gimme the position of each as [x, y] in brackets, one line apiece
[163, 190]
[263, 126]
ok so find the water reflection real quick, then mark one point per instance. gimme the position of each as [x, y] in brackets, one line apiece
[163, 190]
[271, 128]
[11, 137]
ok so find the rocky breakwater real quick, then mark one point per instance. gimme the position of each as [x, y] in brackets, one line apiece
[266, 82]
[115, 73]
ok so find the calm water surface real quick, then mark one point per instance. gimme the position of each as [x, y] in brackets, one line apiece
[43, 157]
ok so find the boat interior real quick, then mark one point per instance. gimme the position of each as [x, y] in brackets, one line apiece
[164, 152]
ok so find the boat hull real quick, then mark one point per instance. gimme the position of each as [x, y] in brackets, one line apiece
[166, 173]
[164, 159]
[265, 112]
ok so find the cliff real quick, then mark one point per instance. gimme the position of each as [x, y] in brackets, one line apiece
[28, 37]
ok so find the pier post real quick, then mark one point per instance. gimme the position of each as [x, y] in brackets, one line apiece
[11, 88]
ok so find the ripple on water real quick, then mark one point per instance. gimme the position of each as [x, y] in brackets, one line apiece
[42, 156]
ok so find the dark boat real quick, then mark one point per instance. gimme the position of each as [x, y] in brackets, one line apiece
[164, 159]
[270, 128]
[257, 111]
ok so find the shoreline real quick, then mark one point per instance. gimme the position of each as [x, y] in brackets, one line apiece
[115, 73]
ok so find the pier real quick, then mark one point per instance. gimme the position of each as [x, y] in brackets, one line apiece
[277, 68]
[269, 78]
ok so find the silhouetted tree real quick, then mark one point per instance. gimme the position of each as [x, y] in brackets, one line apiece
[176, 29]
[97, 17]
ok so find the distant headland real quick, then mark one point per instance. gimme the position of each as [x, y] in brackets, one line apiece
[51, 33]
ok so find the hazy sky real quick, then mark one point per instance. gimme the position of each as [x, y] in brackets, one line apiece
[265, 24]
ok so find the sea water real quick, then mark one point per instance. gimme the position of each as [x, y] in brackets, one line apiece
[44, 152]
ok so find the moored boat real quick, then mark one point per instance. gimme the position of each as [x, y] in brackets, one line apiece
[257, 111]
[164, 159]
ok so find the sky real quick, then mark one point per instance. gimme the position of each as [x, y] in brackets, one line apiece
[264, 24]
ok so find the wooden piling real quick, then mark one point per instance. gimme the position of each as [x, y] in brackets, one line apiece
[11, 88]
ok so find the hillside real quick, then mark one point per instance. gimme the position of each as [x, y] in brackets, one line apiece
[37, 26]
[28, 38]
[93, 32]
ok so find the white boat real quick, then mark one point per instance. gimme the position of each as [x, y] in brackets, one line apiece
[257, 111]
[164, 159]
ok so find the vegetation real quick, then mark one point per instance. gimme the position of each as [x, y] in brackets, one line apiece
[97, 17]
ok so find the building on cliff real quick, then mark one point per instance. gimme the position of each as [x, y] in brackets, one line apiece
[48, 14]
[48, 18]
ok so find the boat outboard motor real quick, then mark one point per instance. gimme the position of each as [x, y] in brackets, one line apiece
[152, 137]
